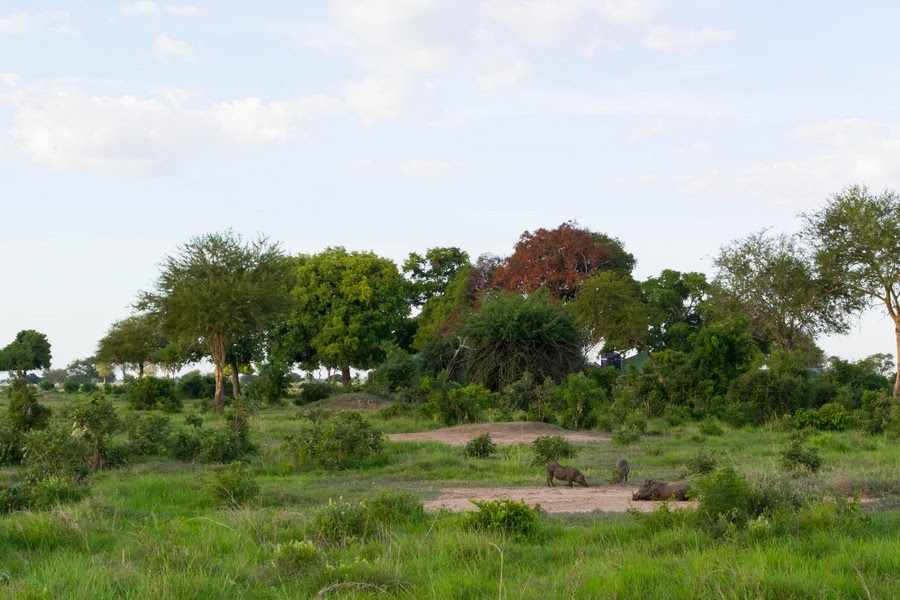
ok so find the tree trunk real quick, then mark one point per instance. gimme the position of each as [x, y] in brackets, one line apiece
[345, 376]
[235, 381]
[140, 370]
[217, 353]
[897, 374]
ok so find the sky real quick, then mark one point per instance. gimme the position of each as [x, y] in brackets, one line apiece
[394, 126]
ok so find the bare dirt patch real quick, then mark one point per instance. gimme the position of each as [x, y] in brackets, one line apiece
[608, 498]
[502, 434]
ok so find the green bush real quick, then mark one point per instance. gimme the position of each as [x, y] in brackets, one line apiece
[234, 484]
[549, 448]
[47, 386]
[338, 522]
[828, 417]
[389, 508]
[225, 445]
[627, 435]
[56, 452]
[724, 501]
[507, 517]
[96, 420]
[270, 385]
[193, 385]
[70, 387]
[342, 440]
[148, 393]
[39, 493]
[701, 463]
[25, 412]
[313, 391]
[796, 455]
[88, 387]
[481, 446]
[296, 557]
[398, 373]
[577, 401]
[10, 443]
[710, 427]
[149, 434]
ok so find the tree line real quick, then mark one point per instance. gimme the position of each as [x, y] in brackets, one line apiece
[542, 312]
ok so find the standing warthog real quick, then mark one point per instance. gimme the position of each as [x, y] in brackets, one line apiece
[661, 490]
[622, 469]
[568, 474]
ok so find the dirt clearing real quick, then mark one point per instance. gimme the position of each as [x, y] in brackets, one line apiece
[502, 434]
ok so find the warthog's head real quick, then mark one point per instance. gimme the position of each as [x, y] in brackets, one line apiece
[645, 490]
[580, 480]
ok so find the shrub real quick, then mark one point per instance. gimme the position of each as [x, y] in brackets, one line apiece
[338, 522]
[234, 484]
[505, 516]
[88, 387]
[228, 444]
[481, 446]
[828, 417]
[709, 427]
[47, 386]
[271, 383]
[724, 501]
[70, 387]
[193, 385]
[298, 556]
[577, 400]
[452, 404]
[390, 507]
[626, 435]
[551, 448]
[34, 492]
[148, 434]
[701, 463]
[98, 421]
[24, 412]
[797, 456]
[313, 391]
[55, 451]
[342, 440]
[876, 412]
[760, 395]
[398, 373]
[149, 393]
[10, 443]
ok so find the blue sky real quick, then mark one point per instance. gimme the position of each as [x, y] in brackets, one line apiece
[126, 128]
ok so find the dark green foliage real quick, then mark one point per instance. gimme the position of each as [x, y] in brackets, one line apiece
[549, 448]
[761, 395]
[148, 393]
[451, 404]
[88, 387]
[879, 412]
[193, 385]
[271, 383]
[313, 391]
[701, 463]
[709, 427]
[229, 444]
[577, 402]
[724, 500]
[40, 493]
[234, 484]
[398, 374]
[342, 440]
[55, 452]
[828, 417]
[389, 507]
[338, 522]
[47, 386]
[796, 455]
[149, 434]
[504, 516]
[627, 435]
[10, 442]
[28, 352]
[96, 421]
[70, 386]
[24, 412]
[481, 446]
[512, 335]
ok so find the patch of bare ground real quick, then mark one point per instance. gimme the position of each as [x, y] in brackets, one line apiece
[561, 499]
[518, 432]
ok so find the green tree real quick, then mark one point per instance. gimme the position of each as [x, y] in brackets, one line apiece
[345, 305]
[431, 274]
[215, 289]
[513, 334]
[82, 370]
[856, 242]
[28, 352]
[676, 300]
[133, 342]
[772, 280]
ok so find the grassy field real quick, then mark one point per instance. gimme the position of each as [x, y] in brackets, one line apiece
[158, 529]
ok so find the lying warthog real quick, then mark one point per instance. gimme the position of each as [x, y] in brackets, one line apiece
[661, 490]
[622, 469]
[568, 474]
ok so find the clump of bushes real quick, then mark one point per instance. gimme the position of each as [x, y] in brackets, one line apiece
[701, 463]
[548, 448]
[313, 391]
[148, 393]
[481, 446]
[96, 421]
[796, 455]
[70, 387]
[338, 522]
[270, 384]
[507, 517]
[225, 445]
[149, 434]
[234, 484]
[342, 440]
[831, 416]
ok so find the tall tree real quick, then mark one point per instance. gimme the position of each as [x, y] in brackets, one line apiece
[28, 352]
[856, 243]
[675, 299]
[133, 342]
[345, 304]
[558, 260]
[772, 280]
[215, 289]
[431, 274]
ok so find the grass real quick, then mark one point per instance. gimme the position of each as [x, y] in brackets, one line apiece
[155, 529]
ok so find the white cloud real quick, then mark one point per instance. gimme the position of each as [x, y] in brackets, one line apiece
[425, 168]
[10, 79]
[14, 24]
[67, 129]
[166, 49]
[665, 39]
[378, 97]
[184, 10]
[139, 8]
[702, 147]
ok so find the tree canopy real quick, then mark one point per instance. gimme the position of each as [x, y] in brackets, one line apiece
[431, 274]
[28, 352]
[856, 242]
[216, 288]
[132, 342]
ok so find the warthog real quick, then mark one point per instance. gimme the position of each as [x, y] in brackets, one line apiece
[622, 469]
[568, 474]
[661, 490]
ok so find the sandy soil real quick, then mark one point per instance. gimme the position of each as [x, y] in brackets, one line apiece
[501, 434]
[560, 499]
